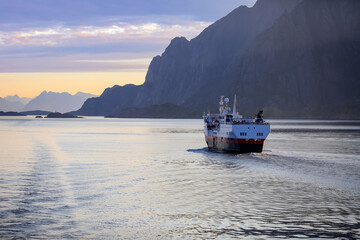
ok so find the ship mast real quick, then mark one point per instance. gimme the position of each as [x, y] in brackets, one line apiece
[221, 103]
[234, 106]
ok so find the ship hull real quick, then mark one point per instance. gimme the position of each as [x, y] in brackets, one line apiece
[234, 145]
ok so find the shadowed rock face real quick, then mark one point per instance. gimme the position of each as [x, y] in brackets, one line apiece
[292, 58]
[111, 101]
[306, 64]
[186, 66]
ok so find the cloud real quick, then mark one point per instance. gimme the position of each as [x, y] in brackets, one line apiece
[97, 35]
[116, 32]
[72, 12]
[136, 61]
[76, 62]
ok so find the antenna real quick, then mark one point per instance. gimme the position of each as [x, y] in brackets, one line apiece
[234, 107]
[221, 103]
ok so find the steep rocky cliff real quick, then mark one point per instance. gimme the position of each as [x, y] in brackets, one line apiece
[294, 58]
[306, 64]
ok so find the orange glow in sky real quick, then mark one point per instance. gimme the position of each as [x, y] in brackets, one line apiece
[32, 84]
[41, 48]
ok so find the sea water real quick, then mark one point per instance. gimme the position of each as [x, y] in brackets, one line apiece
[155, 179]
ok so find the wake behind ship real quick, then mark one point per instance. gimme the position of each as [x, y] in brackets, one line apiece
[230, 132]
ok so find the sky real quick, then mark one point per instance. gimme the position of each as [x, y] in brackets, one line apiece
[89, 45]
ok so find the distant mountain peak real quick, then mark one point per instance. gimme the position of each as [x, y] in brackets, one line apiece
[63, 102]
[84, 95]
[179, 40]
[13, 98]
[178, 44]
[43, 92]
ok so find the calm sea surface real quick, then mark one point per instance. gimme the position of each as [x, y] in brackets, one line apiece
[154, 179]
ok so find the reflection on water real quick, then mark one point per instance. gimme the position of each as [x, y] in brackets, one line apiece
[141, 178]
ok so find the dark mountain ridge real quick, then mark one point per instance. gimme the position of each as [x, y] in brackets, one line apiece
[292, 58]
[306, 64]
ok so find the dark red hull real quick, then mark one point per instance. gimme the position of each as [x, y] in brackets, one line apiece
[233, 145]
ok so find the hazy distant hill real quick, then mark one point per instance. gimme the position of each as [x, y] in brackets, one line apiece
[292, 58]
[16, 98]
[60, 102]
[6, 105]
[35, 112]
[10, 113]
[84, 95]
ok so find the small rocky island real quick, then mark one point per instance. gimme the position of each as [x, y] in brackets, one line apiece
[60, 115]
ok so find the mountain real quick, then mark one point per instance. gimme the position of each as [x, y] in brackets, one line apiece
[16, 98]
[13, 103]
[10, 105]
[186, 66]
[35, 112]
[84, 95]
[292, 58]
[306, 64]
[52, 101]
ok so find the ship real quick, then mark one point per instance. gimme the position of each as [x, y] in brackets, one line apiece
[231, 133]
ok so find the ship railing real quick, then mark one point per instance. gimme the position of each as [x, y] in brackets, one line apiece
[248, 122]
[236, 121]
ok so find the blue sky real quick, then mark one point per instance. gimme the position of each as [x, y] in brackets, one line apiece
[98, 35]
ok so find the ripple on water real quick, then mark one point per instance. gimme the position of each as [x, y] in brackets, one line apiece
[82, 179]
